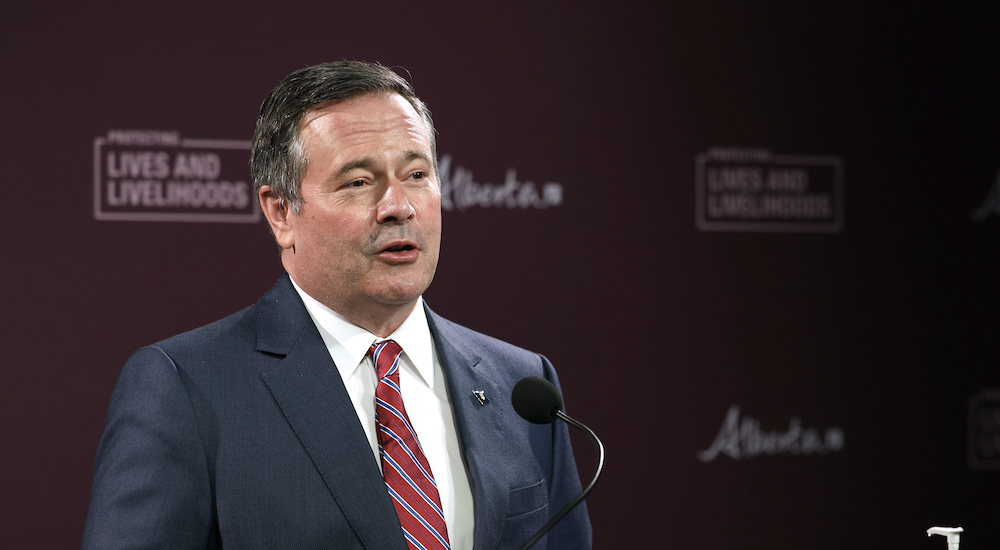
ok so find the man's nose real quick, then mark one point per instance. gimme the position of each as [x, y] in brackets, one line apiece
[394, 206]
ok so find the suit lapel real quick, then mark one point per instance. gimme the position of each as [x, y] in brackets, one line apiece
[310, 392]
[480, 429]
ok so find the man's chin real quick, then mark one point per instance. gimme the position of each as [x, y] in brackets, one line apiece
[399, 293]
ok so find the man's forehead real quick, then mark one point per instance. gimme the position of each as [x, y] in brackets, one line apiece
[373, 106]
[354, 133]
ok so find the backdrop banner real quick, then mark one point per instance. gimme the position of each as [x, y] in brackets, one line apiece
[797, 204]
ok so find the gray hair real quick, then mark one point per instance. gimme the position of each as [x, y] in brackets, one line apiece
[277, 157]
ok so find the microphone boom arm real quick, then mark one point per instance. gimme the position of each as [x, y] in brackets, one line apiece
[600, 466]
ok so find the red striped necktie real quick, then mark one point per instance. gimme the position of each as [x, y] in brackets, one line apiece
[404, 467]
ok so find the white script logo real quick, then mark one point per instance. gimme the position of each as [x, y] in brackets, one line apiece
[744, 438]
[991, 205]
[460, 192]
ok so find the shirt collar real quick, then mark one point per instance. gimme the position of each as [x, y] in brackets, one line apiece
[348, 343]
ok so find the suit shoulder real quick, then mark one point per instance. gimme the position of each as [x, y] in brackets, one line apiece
[238, 327]
[475, 338]
[495, 354]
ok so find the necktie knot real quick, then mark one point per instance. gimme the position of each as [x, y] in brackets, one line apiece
[385, 355]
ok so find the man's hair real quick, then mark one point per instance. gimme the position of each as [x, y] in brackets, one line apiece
[278, 158]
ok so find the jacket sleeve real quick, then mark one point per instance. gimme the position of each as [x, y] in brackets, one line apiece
[152, 487]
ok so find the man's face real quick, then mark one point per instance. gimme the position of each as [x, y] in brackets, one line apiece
[368, 234]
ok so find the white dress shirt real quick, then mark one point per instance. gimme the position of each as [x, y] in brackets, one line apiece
[425, 396]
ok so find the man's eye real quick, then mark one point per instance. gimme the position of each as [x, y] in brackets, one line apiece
[418, 175]
[356, 183]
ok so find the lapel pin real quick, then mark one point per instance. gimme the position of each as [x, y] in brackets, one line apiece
[481, 396]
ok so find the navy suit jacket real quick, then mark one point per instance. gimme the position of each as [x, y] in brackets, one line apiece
[241, 434]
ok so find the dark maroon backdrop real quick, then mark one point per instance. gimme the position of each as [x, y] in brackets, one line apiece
[882, 331]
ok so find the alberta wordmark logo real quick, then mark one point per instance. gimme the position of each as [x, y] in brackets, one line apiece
[742, 437]
[991, 205]
[459, 191]
[156, 175]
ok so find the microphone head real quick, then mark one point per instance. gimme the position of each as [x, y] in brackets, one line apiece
[536, 400]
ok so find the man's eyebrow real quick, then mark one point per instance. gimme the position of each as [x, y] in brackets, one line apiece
[367, 163]
[410, 156]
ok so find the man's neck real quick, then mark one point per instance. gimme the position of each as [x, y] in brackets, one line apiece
[381, 320]
[377, 318]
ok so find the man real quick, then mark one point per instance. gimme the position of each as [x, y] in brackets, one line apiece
[339, 411]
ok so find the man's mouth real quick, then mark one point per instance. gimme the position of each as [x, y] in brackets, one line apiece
[403, 251]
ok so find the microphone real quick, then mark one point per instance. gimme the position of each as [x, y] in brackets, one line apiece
[538, 401]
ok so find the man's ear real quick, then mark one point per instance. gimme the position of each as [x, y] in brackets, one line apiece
[278, 214]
